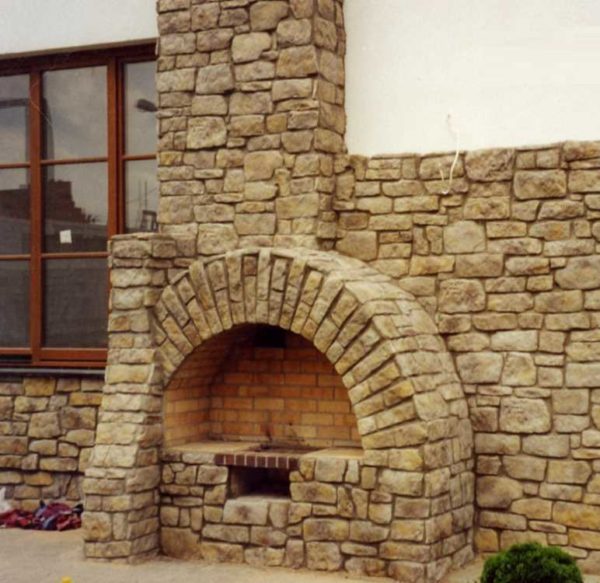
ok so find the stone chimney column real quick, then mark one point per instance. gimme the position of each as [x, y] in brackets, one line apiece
[251, 113]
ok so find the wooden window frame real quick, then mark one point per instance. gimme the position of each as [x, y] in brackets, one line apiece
[114, 60]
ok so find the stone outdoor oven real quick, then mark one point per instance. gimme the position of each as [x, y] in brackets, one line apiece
[268, 399]
[282, 382]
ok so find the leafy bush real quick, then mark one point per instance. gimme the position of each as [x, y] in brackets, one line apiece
[531, 563]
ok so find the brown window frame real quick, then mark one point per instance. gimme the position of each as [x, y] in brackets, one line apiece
[114, 60]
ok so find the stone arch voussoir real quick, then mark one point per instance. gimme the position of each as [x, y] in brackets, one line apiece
[400, 379]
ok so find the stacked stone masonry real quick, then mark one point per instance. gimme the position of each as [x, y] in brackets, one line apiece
[47, 431]
[505, 257]
[416, 458]
[453, 300]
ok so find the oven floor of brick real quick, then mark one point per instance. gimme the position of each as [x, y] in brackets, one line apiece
[46, 557]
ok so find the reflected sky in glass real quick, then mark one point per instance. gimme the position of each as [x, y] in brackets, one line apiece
[140, 98]
[14, 101]
[74, 117]
[141, 196]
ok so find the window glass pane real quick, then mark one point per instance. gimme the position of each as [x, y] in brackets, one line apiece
[14, 211]
[14, 119]
[140, 108]
[75, 303]
[75, 122]
[75, 207]
[14, 304]
[141, 195]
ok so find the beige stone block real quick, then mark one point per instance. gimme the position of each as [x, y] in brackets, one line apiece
[494, 443]
[576, 515]
[97, 526]
[262, 165]
[246, 510]
[464, 237]
[584, 181]
[568, 472]
[44, 425]
[292, 89]
[583, 375]
[359, 244]
[461, 295]
[297, 62]
[519, 370]
[502, 520]
[547, 445]
[267, 537]
[571, 401]
[487, 209]
[323, 556]
[39, 387]
[527, 265]
[205, 16]
[214, 79]
[497, 492]
[533, 508]
[401, 483]
[250, 103]
[220, 552]
[524, 416]
[525, 467]
[517, 340]
[313, 492]
[265, 15]
[584, 539]
[293, 32]
[486, 540]
[580, 273]
[213, 40]
[483, 367]
[325, 529]
[211, 475]
[330, 470]
[421, 265]
[540, 184]
[479, 265]
[226, 533]
[559, 301]
[489, 165]
[176, 80]
[249, 47]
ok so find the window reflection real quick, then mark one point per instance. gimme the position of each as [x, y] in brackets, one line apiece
[14, 303]
[140, 108]
[74, 115]
[75, 303]
[14, 119]
[14, 211]
[75, 207]
[141, 196]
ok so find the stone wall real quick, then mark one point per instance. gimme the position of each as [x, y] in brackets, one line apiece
[251, 114]
[505, 257]
[240, 391]
[47, 430]
[335, 518]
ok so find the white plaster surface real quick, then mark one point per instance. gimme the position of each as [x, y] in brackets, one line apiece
[509, 72]
[32, 26]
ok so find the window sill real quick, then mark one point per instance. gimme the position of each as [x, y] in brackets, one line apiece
[13, 372]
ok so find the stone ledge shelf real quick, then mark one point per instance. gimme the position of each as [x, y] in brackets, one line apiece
[252, 454]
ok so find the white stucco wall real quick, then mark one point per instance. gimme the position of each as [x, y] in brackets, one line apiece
[509, 72]
[31, 26]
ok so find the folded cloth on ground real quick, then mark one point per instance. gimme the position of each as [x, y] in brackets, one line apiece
[53, 516]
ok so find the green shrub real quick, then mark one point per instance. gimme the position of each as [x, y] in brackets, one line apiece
[531, 563]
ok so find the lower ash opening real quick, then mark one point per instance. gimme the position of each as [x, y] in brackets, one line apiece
[262, 481]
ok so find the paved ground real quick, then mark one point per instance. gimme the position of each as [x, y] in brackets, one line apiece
[46, 557]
